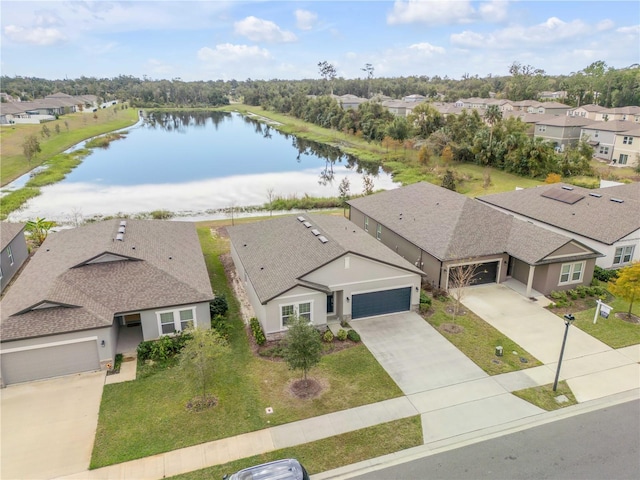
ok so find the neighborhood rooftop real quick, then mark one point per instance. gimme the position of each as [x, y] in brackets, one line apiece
[72, 282]
[448, 225]
[603, 214]
[276, 253]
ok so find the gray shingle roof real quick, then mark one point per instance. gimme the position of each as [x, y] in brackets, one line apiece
[278, 253]
[166, 268]
[9, 231]
[597, 218]
[451, 226]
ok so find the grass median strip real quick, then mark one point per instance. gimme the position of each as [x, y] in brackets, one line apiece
[545, 398]
[478, 340]
[332, 452]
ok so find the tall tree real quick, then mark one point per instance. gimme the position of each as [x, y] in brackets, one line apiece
[627, 285]
[199, 356]
[31, 147]
[425, 119]
[368, 69]
[328, 72]
[344, 190]
[303, 346]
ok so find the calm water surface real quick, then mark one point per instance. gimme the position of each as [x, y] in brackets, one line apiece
[195, 164]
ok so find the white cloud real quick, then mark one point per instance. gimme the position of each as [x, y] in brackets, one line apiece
[553, 30]
[633, 30]
[436, 12]
[305, 20]
[158, 67]
[494, 11]
[47, 18]
[34, 36]
[426, 48]
[259, 30]
[227, 52]
[605, 25]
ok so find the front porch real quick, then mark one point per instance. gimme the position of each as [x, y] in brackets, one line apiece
[526, 291]
[129, 337]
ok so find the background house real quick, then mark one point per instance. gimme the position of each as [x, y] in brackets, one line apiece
[626, 148]
[605, 219]
[437, 230]
[562, 131]
[87, 289]
[14, 251]
[321, 268]
[601, 136]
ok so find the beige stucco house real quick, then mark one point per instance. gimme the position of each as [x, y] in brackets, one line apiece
[321, 268]
[437, 230]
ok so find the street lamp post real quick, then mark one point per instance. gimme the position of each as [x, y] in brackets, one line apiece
[568, 319]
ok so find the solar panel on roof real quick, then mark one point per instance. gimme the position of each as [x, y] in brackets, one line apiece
[563, 196]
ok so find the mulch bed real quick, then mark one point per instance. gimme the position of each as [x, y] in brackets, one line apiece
[630, 319]
[306, 389]
[200, 403]
[451, 328]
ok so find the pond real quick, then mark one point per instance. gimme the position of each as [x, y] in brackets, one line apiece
[197, 165]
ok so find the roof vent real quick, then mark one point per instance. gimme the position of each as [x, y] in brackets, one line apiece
[123, 223]
[617, 200]
[307, 224]
[301, 219]
[567, 187]
[120, 237]
[323, 239]
[121, 230]
[315, 231]
[596, 195]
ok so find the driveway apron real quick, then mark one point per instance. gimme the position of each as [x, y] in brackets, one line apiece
[414, 354]
[531, 326]
[48, 427]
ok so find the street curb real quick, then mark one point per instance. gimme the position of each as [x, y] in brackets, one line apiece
[440, 446]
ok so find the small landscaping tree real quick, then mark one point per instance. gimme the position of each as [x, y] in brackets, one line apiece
[31, 147]
[303, 346]
[627, 285]
[38, 230]
[344, 190]
[199, 356]
[460, 277]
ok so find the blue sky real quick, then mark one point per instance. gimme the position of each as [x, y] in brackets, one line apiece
[210, 40]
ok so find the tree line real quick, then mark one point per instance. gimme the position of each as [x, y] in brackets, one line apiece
[597, 83]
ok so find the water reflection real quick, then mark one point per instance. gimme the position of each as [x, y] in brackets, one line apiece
[218, 159]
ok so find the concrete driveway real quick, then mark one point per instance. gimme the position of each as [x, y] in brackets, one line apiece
[414, 354]
[527, 323]
[48, 427]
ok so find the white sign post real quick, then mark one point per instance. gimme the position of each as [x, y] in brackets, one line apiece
[603, 309]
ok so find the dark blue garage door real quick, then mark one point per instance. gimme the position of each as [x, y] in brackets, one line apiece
[381, 303]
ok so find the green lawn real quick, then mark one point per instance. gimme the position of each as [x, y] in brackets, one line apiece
[613, 331]
[478, 340]
[545, 398]
[81, 127]
[332, 452]
[148, 416]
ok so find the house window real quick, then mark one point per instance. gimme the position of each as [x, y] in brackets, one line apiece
[366, 224]
[379, 232]
[176, 320]
[571, 273]
[10, 254]
[627, 140]
[289, 311]
[623, 255]
[623, 159]
[604, 150]
[542, 128]
[597, 134]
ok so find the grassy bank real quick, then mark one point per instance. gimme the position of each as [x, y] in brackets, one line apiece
[65, 132]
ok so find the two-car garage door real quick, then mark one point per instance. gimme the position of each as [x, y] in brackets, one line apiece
[381, 303]
[49, 361]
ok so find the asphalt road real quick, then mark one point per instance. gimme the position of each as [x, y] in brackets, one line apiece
[604, 444]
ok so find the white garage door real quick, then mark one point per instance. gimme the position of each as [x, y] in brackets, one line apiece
[52, 361]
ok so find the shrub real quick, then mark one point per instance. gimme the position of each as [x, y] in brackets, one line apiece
[165, 347]
[424, 297]
[344, 323]
[257, 331]
[572, 294]
[342, 335]
[581, 291]
[353, 336]
[218, 306]
[327, 336]
[561, 298]
[277, 351]
[220, 325]
[440, 294]
[605, 275]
